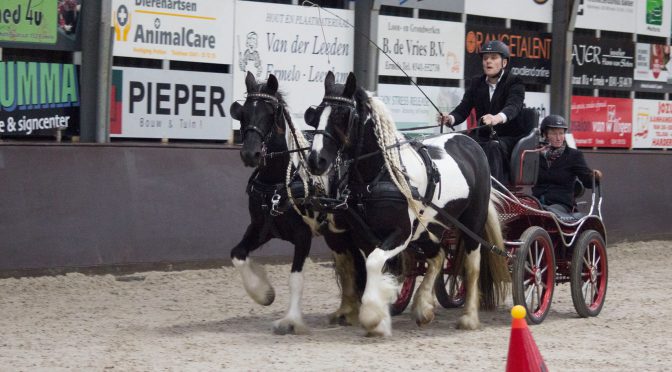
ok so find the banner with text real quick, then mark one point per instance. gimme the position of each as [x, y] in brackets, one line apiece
[38, 98]
[455, 6]
[423, 48]
[540, 102]
[654, 17]
[602, 63]
[653, 124]
[653, 68]
[530, 52]
[611, 15]
[289, 42]
[601, 121]
[410, 108]
[51, 24]
[526, 10]
[194, 31]
[151, 103]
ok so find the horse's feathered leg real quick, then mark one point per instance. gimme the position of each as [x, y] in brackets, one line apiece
[293, 320]
[472, 265]
[348, 311]
[381, 288]
[423, 302]
[254, 277]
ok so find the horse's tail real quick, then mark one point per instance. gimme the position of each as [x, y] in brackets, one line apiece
[494, 276]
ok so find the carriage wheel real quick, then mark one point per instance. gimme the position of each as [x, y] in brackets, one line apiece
[534, 274]
[405, 295]
[589, 274]
[449, 286]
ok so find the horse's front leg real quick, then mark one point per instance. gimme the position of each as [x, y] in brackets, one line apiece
[382, 289]
[349, 274]
[293, 322]
[472, 263]
[254, 277]
[423, 302]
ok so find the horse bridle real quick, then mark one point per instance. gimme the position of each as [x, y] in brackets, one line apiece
[277, 108]
[352, 118]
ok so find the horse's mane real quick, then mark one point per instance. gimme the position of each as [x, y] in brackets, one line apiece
[387, 135]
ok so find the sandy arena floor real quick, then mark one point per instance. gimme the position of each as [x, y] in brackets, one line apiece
[204, 321]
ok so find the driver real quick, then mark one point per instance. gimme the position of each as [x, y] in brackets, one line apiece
[498, 99]
[559, 166]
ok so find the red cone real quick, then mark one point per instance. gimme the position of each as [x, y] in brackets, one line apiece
[524, 355]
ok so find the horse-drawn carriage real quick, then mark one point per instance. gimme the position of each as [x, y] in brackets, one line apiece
[545, 247]
[389, 194]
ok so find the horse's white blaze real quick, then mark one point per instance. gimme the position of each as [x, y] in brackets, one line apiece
[472, 265]
[318, 143]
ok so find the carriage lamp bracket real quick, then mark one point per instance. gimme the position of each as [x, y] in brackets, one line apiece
[275, 201]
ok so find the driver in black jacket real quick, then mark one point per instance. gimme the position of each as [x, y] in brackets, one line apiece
[559, 166]
[498, 99]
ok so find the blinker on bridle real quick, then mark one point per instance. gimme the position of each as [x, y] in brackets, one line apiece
[277, 108]
[339, 101]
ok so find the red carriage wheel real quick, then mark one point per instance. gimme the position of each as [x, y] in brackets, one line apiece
[589, 274]
[534, 274]
[449, 286]
[405, 295]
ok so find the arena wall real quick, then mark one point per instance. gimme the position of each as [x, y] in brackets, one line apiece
[126, 207]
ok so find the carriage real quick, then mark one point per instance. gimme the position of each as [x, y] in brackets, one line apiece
[545, 248]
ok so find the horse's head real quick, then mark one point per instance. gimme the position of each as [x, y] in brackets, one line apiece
[334, 120]
[260, 117]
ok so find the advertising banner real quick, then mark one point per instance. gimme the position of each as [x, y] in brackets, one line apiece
[602, 63]
[610, 15]
[455, 6]
[194, 31]
[423, 48]
[38, 98]
[540, 102]
[151, 103]
[530, 52]
[654, 17]
[653, 67]
[653, 124]
[50, 24]
[299, 45]
[601, 121]
[410, 108]
[526, 10]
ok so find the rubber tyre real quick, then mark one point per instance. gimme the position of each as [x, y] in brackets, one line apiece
[533, 280]
[449, 286]
[589, 274]
[405, 295]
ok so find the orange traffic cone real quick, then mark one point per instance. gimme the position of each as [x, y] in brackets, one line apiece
[524, 355]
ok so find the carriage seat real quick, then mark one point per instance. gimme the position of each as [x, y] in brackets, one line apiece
[524, 165]
[575, 214]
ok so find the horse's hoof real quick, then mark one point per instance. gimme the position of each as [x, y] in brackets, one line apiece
[468, 323]
[425, 318]
[289, 327]
[265, 298]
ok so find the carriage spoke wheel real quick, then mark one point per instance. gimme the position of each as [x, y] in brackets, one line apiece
[449, 286]
[589, 274]
[409, 273]
[534, 274]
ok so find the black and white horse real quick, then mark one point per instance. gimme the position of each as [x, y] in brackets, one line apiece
[351, 124]
[266, 135]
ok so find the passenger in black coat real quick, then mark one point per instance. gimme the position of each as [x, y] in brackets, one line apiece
[497, 96]
[559, 166]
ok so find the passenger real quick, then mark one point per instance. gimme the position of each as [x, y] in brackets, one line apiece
[498, 99]
[559, 166]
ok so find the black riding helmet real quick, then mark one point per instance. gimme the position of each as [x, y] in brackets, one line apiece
[495, 46]
[553, 121]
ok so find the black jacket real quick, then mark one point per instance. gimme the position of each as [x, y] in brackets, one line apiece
[507, 98]
[555, 184]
